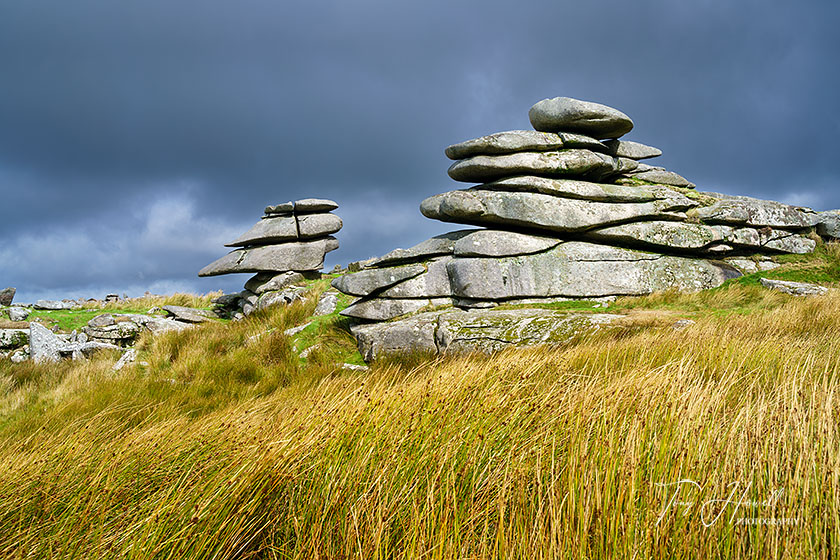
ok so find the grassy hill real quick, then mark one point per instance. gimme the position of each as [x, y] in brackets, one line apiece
[227, 444]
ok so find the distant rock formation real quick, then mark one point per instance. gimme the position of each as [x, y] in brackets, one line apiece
[285, 247]
[568, 211]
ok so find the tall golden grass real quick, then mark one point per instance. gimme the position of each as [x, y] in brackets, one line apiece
[532, 453]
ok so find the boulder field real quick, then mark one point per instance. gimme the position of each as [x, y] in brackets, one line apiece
[565, 211]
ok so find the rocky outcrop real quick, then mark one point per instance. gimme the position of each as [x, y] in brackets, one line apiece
[567, 211]
[286, 247]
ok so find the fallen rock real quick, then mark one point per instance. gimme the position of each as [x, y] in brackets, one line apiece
[51, 305]
[326, 304]
[285, 297]
[11, 339]
[794, 288]
[573, 115]
[18, 314]
[129, 357]
[7, 295]
[829, 224]
[188, 314]
[44, 345]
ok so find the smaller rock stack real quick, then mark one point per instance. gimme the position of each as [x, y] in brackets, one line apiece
[286, 246]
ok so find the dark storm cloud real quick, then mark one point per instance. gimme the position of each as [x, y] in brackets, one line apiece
[135, 137]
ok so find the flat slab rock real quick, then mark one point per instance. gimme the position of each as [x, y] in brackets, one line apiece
[189, 314]
[574, 162]
[632, 150]
[300, 256]
[475, 331]
[794, 288]
[281, 229]
[755, 212]
[574, 115]
[583, 190]
[522, 141]
[545, 212]
[438, 245]
[582, 270]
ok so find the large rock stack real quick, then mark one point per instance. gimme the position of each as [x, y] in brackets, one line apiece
[570, 211]
[287, 245]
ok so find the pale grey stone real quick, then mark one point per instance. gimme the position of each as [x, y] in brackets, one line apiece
[13, 338]
[829, 224]
[44, 345]
[249, 297]
[301, 255]
[450, 331]
[294, 330]
[317, 225]
[695, 237]
[756, 213]
[436, 246]
[505, 143]
[248, 308]
[51, 305]
[370, 280]
[489, 331]
[287, 296]
[105, 320]
[188, 314]
[574, 162]
[540, 211]
[632, 150]
[682, 324]
[129, 357]
[572, 140]
[307, 205]
[413, 335]
[7, 295]
[573, 115]
[794, 288]
[500, 243]
[384, 309]
[268, 230]
[326, 304]
[122, 331]
[583, 270]
[270, 282]
[571, 188]
[751, 266]
[432, 283]
[19, 356]
[663, 177]
[19, 313]
[227, 300]
[354, 367]
[81, 350]
[283, 208]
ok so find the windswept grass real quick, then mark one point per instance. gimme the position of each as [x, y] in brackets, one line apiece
[225, 448]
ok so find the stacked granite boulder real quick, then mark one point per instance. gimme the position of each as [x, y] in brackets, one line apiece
[570, 211]
[285, 247]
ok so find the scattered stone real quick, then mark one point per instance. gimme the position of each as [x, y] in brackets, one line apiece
[112, 298]
[188, 314]
[18, 314]
[829, 224]
[573, 115]
[19, 356]
[101, 321]
[44, 345]
[286, 297]
[326, 304]
[305, 354]
[294, 330]
[51, 305]
[794, 288]
[11, 339]
[682, 324]
[7, 295]
[129, 357]
[354, 367]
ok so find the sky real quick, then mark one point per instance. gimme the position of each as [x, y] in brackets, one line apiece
[136, 138]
